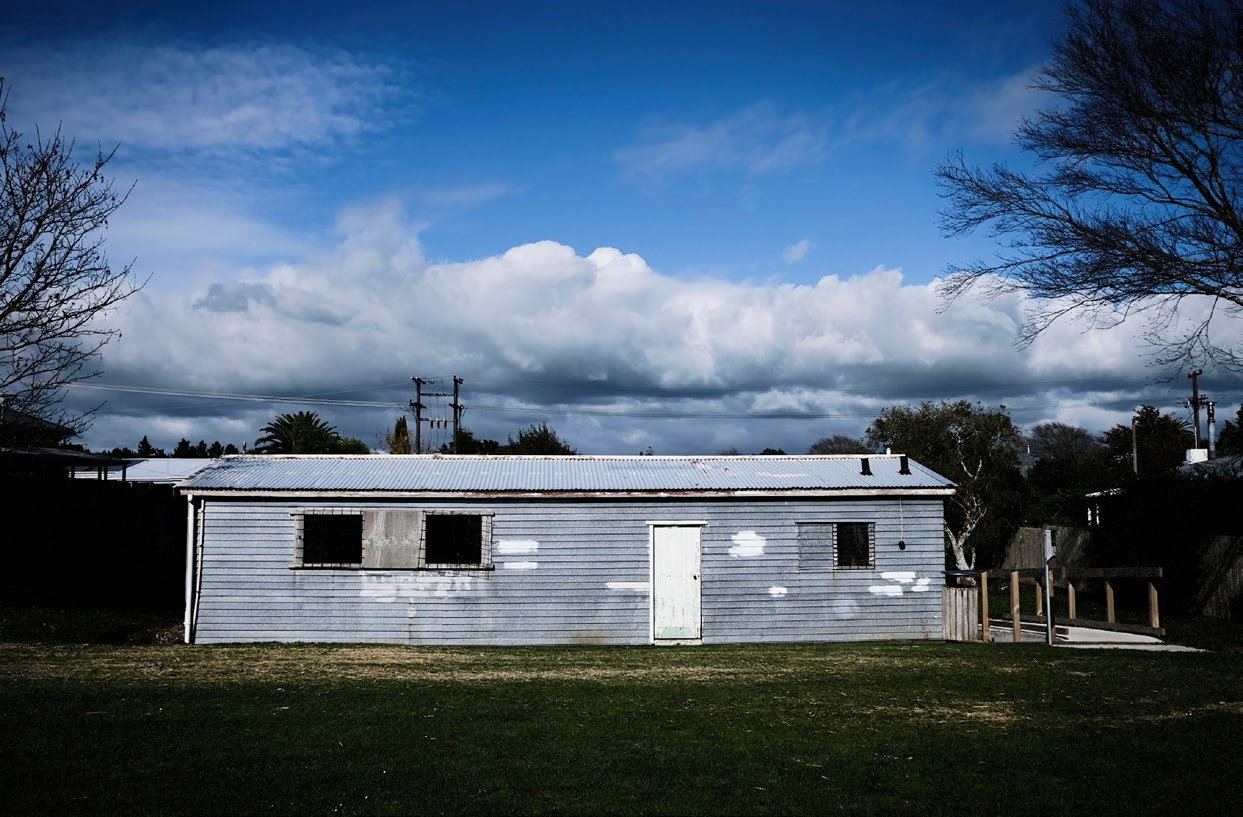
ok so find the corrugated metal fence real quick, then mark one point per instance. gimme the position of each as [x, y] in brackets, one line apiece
[960, 612]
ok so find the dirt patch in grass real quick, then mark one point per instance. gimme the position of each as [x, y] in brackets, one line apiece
[353, 663]
[996, 713]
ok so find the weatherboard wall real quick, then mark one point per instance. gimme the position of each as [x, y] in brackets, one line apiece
[574, 571]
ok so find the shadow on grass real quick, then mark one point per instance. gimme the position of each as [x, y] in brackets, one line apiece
[47, 625]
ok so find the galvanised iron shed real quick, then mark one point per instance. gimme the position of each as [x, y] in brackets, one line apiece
[436, 549]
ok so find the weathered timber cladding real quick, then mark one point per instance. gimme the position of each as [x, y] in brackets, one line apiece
[574, 571]
[961, 613]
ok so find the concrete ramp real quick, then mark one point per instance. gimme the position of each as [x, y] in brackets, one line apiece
[1086, 638]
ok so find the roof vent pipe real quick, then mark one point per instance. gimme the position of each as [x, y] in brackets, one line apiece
[904, 466]
[866, 467]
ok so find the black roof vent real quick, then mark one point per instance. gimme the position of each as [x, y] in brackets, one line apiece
[866, 467]
[904, 466]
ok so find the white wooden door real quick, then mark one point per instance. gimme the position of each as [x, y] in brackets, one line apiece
[675, 582]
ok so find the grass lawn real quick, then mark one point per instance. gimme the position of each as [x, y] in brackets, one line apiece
[158, 728]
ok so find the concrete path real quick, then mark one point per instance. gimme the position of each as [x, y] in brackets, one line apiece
[1085, 638]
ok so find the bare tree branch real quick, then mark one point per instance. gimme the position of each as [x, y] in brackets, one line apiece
[1134, 203]
[55, 282]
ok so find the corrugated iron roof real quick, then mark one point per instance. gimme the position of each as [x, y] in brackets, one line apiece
[437, 473]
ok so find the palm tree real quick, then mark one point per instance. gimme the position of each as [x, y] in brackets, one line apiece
[301, 433]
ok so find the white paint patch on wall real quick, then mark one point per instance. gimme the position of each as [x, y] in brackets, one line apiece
[520, 565]
[886, 589]
[441, 586]
[379, 588]
[843, 609]
[777, 591]
[747, 544]
[900, 579]
[629, 585]
[516, 547]
[390, 588]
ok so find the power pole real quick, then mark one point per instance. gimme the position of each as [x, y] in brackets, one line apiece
[418, 407]
[435, 422]
[1195, 400]
[457, 410]
[1212, 447]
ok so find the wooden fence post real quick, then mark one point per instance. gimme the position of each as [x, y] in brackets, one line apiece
[1109, 602]
[1014, 605]
[1154, 617]
[984, 634]
[1070, 598]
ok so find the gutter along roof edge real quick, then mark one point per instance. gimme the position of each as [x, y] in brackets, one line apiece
[689, 494]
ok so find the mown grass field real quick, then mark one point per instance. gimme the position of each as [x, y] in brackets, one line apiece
[856, 729]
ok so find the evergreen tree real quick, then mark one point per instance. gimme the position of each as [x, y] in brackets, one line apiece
[1230, 441]
[1161, 440]
[538, 439]
[838, 444]
[147, 451]
[974, 446]
[399, 441]
[350, 445]
[468, 443]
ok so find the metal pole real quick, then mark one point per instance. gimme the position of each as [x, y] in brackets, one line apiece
[457, 410]
[1195, 400]
[1048, 588]
[417, 405]
[1212, 416]
[1134, 449]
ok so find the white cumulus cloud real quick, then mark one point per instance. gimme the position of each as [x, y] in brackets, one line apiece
[604, 334]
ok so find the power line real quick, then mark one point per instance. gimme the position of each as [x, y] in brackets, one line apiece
[603, 385]
[257, 398]
[538, 409]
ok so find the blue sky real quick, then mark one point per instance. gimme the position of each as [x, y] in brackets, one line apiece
[650, 224]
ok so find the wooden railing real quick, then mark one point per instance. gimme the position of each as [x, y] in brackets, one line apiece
[1069, 575]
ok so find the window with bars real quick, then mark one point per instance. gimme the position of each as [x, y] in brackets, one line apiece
[853, 545]
[455, 539]
[393, 539]
[828, 545]
[332, 539]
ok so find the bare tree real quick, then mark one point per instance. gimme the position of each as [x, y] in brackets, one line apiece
[55, 282]
[1133, 205]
